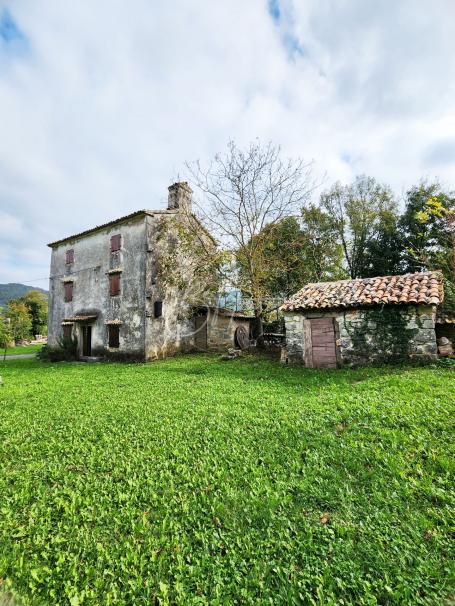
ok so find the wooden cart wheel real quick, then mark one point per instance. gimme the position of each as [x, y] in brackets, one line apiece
[241, 337]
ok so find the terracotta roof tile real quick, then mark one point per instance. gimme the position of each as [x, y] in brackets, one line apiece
[422, 288]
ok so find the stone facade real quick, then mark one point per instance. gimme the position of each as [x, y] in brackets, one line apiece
[154, 320]
[370, 334]
[221, 330]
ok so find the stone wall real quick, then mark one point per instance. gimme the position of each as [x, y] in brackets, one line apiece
[221, 330]
[377, 334]
[388, 333]
[294, 338]
[89, 273]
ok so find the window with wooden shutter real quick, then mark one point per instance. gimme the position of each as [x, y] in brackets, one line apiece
[116, 242]
[68, 292]
[70, 256]
[67, 331]
[158, 309]
[114, 335]
[114, 284]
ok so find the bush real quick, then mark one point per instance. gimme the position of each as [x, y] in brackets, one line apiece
[65, 351]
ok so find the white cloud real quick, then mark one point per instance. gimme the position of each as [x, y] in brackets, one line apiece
[105, 101]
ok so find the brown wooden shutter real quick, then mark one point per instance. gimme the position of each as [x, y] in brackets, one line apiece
[114, 285]
[70, 256]
[67, 330]
[114, 335]
[68, 292]
[116, 242]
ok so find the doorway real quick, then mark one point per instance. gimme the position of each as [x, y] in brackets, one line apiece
[86, 340]
[200, 333]
[321, 352]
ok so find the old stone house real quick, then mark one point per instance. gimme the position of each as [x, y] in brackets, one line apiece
[105, 287]
[355, 322]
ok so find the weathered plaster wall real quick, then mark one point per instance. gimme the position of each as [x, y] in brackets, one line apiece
[376, 334]
[90, 275]
[174, 330]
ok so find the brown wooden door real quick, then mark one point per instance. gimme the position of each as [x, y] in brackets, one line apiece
[200, 335]
[323, 343]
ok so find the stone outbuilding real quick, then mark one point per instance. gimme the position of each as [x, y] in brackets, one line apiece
[218, 329]
[355, 322]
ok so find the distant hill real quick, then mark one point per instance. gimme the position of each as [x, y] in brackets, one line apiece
[14, 291]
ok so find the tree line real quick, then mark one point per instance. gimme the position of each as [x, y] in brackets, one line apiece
[23, 318]
[272, 237]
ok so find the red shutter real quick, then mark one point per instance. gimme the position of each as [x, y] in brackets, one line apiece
[70, 256]
[116, 242]
[114, 285]
[68, 292]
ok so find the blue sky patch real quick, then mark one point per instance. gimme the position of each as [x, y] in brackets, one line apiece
[274, 9]
[9, 31]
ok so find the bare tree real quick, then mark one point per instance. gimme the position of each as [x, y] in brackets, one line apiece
[245, 190]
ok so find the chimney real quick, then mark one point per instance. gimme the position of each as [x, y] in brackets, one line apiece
[180, 197]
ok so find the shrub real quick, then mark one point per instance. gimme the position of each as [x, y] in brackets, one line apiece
[65, 350]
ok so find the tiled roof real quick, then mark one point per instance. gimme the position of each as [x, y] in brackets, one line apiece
[422, 288]
[137, 213]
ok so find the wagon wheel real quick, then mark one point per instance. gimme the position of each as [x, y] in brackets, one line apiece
[241, 337]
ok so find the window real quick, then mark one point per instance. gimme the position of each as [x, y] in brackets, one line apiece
[68, 292]
[114, 335]
[114, 284]
[67, 331]
[158, 309]
[116, 242]
[70, 256]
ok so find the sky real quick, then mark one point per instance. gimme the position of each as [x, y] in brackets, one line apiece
[101, 103]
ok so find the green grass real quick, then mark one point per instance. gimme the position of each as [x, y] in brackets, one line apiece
[21, 349]
[195, 481]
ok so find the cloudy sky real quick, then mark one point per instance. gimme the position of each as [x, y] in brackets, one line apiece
[102, 101]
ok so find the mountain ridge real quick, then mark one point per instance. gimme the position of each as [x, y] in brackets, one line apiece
[14, 290]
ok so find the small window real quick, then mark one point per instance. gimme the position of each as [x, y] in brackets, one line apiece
[68, 292]
[70, 256]
[116, 242]
[114, 284]
[67, 331]
[114, 335]
[158, 309]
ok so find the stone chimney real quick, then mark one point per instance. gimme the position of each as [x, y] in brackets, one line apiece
[180, 197]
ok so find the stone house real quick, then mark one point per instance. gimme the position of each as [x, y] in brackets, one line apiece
[105, 287]
[355, 322]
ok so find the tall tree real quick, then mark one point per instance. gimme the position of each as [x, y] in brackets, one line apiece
[20, 321]
[361, 213]
[428, 228]
[36, 303]
[5, 332]
[245, 190]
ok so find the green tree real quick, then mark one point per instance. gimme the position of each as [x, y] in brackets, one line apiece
[36, 303]
[5, 331]
[20, 320]
[363, 214]
[322, 249]
[428, 230]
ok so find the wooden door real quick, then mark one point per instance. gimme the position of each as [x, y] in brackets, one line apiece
[323, 349]
[86, 341]
[200, 334]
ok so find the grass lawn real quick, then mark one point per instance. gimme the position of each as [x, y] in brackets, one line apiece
[21, 349]
[195, 481]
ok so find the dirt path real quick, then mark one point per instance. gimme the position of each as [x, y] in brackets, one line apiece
[18, 356]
